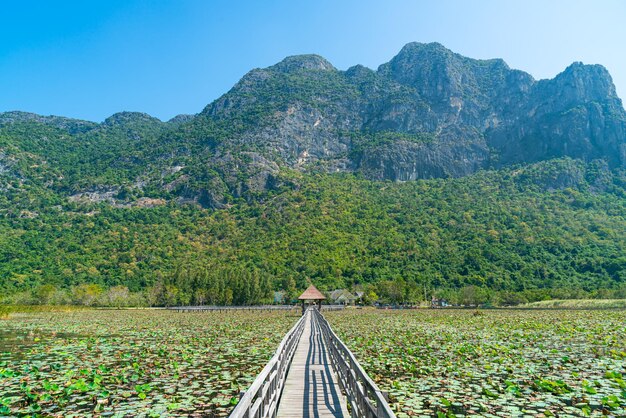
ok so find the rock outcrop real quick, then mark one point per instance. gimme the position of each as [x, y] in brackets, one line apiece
[427, 113]
[476, 114]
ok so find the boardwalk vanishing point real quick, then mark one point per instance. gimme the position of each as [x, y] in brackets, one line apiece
[313, 375]
[311, 388]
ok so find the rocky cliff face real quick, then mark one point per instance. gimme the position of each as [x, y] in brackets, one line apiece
[427, 113]
[576, 114]
[474, 113]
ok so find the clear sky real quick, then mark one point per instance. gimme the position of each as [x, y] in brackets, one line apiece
[90, 59]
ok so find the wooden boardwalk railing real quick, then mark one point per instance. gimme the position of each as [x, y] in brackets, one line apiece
[263, 399]
[248, 308]
[312, 389]
[363, 395]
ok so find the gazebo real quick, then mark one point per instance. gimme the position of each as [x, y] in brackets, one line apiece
[311, 294]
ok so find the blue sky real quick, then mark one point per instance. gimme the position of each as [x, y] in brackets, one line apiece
[90, 59]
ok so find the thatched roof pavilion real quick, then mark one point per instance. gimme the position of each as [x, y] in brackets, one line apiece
[312, 294]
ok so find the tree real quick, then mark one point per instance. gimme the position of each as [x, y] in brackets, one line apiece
[369, 295]
[290, 289]
[397, 290]
[473, 296]
[508, 298]
[170, 295]
[117, 296]
[86, 294]
[154, 294]
[44, 294]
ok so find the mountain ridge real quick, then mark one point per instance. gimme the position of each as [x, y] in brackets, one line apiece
[427, 113]
[434, 170]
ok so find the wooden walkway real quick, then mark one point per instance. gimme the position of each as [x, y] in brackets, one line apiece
[306, 377]
[311, 389]
[204, 308]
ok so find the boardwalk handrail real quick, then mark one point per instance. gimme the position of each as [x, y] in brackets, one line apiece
[213, 308]
[261, 399]
[366, 400]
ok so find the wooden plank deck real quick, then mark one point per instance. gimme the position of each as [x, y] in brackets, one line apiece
[247, 308]
[311, 388]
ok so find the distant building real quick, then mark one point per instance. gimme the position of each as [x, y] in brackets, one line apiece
[438, 303]
[279, 297]
[343, 297]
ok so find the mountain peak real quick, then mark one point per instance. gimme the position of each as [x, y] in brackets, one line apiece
[182, 118]
[424, 46]
[359, 71]
[585, 82]
[303, 62]
[417, 51]
[417, 62]
[123, 118]
[18, 116]
[578, 69]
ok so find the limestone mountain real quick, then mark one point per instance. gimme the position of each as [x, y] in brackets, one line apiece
[427, 113]
[435, 170]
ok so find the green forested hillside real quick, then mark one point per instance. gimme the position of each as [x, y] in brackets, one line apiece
[436, 174]
[73, 155]
[507, 230]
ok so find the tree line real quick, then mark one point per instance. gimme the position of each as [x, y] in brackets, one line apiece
[240, 288]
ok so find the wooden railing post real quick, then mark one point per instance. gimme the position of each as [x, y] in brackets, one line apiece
[262, 396]
[363, 395]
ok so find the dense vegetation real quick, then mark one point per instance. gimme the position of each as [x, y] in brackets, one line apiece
[275, 185]
[497, 236]
[446, 363]
[150, 363]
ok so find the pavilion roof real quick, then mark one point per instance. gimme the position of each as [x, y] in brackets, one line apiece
[312, 294]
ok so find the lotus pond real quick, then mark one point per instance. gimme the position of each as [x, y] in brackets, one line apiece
[133, 363]
[503, 363]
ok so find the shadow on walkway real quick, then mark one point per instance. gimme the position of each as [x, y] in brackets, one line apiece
[318, 379]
